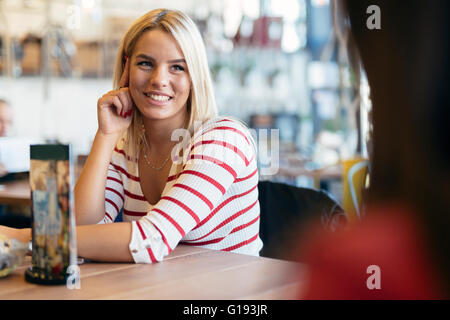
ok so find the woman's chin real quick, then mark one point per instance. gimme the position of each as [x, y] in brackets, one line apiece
[155, 115]
[151, 112]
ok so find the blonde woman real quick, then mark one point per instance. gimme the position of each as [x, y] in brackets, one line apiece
[206, 197]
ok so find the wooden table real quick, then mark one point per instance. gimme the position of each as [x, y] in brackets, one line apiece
[333, 172]
[15, 192]
[187, 273]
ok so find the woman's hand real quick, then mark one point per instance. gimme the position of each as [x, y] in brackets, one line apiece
[23, 235]
[115, 108]
[114, 117]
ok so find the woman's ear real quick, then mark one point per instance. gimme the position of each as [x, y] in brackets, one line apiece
[125, 77]
[124, 60]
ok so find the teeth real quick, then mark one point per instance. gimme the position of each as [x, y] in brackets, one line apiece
[158, 98]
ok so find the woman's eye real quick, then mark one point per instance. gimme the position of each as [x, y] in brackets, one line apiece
[144, 63]
[178, 67]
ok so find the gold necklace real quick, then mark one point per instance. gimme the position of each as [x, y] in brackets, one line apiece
[145, 154]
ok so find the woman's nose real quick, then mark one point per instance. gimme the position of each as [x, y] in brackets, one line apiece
[159, 77]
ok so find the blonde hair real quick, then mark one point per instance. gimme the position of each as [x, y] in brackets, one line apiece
[201, 101]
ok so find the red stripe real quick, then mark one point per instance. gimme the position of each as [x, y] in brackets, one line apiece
[223, 144]
[134, 196]
[172, 177]
[215, 161]
[122, 152]
[115, 171]
[125, 172]
[245, 225]
[243, 243]
[185, 207]
[229, 129]
[203, 243]
[198, 194]
[150, 253]
[114, 179]
[164, 238]
[114, 205]
[116, 192]
[134, 213]
[221, 238]
[140, 229]
[149, 250]
[106, 213]
[223, 120]
[228, 220]
[220, 206]
[170, 219]
[162, 235]
[247, 177]
[205, 177]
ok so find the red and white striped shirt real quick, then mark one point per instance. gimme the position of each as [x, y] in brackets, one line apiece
[210, 200]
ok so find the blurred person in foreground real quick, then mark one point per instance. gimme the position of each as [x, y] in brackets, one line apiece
[401, 249]
[6, 121]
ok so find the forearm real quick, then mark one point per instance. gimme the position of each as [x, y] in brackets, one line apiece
[103, 242]
[90, 187]
[107, 242]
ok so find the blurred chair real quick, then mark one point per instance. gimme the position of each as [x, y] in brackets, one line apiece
[354, 177]
[287, 213]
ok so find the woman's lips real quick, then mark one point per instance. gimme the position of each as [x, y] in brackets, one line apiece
[158, 99]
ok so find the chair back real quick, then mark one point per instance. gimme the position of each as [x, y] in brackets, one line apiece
[287, 210]
[354, 176]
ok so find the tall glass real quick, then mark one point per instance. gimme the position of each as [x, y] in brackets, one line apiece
[53, 221]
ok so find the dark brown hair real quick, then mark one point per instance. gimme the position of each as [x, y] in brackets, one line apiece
[407, 63]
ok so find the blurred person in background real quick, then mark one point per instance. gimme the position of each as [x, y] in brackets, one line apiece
[14, 214]
[6, 121]
[401, 248]
[6, 117]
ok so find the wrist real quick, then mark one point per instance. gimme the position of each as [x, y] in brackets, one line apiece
[108, 138]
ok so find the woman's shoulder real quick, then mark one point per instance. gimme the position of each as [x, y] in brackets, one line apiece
[224, 120]
[120, 156]
[223, 127]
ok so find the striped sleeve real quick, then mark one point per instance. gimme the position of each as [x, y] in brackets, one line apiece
[114, 193]
[214, 159]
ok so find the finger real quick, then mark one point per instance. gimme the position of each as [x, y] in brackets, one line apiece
[130, 102]
[118, 104]
[124, 100]
[127, 101]
[123, 82]
[111, 101]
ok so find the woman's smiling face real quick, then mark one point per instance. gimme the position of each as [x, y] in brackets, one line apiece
[159, 77]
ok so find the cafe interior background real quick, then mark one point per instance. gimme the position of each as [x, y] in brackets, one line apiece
[276, 64]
